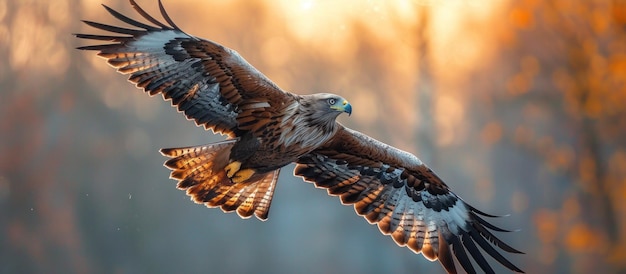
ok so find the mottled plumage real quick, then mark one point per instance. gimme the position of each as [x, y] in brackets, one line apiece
[268, 128]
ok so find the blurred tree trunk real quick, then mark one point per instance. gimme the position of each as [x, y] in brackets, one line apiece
[597, 193]
[425, 130]
[578, 49]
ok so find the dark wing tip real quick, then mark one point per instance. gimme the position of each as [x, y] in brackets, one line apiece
[98, 47]
[481, 227]
[170, 152]
[490, 225]
[477, 233]
[144, 28]
[147, 16]
[166, 16]
[128, 20]
[475, 210]
[114, 29]
[482, 242]
[102, 37]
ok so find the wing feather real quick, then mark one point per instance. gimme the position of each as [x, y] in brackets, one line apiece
[209, 83]
[166, 16]
[112, 28]
[406, 199]
[147, 16]
[128, 20]
[104, 37]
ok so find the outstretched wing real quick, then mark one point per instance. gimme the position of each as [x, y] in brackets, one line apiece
[407, 200]
[211, 84]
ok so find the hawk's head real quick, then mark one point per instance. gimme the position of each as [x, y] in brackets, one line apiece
[322, 109]
[330, 104]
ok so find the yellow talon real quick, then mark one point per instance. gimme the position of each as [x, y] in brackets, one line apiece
[232, 168]
[242, 175]
[236, 174]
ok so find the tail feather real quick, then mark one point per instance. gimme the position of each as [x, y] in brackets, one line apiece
[256, 198]
[200, 171]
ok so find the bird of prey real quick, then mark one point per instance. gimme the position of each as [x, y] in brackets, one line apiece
[268, 128]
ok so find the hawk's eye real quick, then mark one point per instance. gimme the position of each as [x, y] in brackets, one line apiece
[332, 101]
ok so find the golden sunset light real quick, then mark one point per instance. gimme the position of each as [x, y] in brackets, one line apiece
[518, 106]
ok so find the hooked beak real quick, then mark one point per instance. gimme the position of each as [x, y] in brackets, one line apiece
[343, 107]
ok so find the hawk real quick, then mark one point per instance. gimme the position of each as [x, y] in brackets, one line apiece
[268, 128]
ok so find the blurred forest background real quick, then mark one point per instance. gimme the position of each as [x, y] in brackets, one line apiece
[518, 105]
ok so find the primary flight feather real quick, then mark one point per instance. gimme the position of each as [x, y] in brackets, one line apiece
[268, 128]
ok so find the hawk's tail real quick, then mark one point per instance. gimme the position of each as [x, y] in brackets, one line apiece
[200, 171]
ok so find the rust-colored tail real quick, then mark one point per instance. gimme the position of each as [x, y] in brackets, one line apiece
[200, 171]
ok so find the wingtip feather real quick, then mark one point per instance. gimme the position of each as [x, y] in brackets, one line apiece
[128, 20]
[166, 151]
[166, 16]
